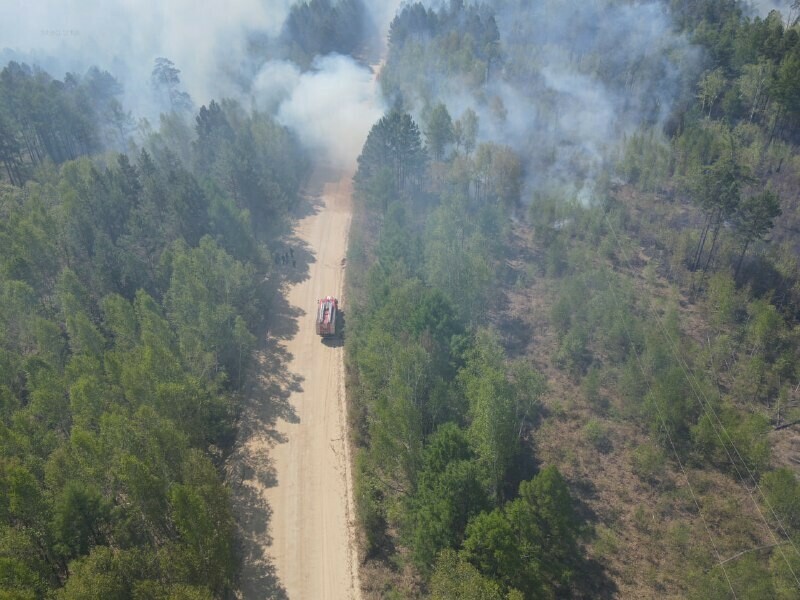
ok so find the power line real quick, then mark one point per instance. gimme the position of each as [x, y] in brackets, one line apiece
[705, 404]
[720, 562]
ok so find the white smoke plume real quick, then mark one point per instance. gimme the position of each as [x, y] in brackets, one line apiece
[561, 114]
[382, 12]
[124, 37]
[574, 80]
[331, 107]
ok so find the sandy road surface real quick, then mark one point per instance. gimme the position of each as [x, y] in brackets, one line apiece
[293, 502]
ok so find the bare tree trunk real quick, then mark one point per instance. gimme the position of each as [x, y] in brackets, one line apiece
[741, 259]
[755, 103]
[10, 173]
[786, 425]
[713, 246]
[31, 150]
[778, 118]
[701, 244]
[708, 261]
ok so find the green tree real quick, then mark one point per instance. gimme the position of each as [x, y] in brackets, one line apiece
[23, 576]
[80, 515]
[492, 410]
[492, 547]
[201, 512]
[784, 565]
[529, 386]
[439, 131]
[455, 578]
[747, 576]
[393, 142]
[465, 131]
[782, 491]
[739, 439]
[546, 498]
[786, 87]
[449, 492]
[754, 84]
[214, 135]
[753, 219]
[458, 259]
[717, 190]
[531, 543]
[105, 573]
[711, 88]
[671, 408]
[166, 81]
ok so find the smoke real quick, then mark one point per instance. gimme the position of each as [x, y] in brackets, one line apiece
[274, 85]
[572, 82]
[125, 36]
[763, 7]
[382, 12]
[332, 107]
[600, 71]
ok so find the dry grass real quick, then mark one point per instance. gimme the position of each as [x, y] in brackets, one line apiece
[646, 530]
[647, 533]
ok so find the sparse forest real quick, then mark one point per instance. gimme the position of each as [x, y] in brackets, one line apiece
[572, 350]
[621, 337]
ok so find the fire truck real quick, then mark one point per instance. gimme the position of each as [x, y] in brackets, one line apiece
[327, 316]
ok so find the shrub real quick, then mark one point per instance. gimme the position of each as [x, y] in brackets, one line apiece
[648, 462]
[597, 435]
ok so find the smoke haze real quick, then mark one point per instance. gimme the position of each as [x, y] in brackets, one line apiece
[125, 36]
[331, 106]
[583, 76]
[763, 7]
[598, 72]
[570, 82]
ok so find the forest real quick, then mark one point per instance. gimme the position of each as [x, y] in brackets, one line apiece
[594, 386]
[572, 352]
[133, 287]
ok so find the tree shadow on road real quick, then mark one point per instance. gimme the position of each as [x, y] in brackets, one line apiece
[249, 468]
[257, 578]
[292, 260]
[292, 256]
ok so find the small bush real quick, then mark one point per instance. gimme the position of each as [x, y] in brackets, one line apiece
[648, 462]
[606, 543]
[597, 435]
[574, 355]
[591, 389]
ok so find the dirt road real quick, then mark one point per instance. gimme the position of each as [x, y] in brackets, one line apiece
[300, 544]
